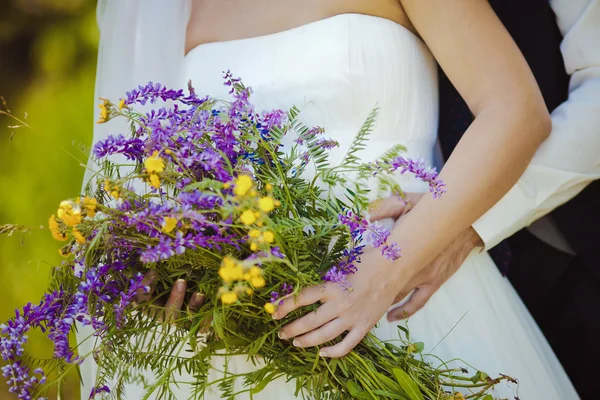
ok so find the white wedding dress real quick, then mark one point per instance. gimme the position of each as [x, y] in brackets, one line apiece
[337, 70]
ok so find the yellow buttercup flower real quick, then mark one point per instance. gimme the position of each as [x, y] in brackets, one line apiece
[253, 247]
[255, 271]
[78, 236]
[169, 223]
[154, 164]
[258, 282]
[270, 308]
[103, 112]
[248, 217]
[269, 187]
[121, 104]
[266, 204]
[90, 204]
[243, 184]
[69, 212]
[249, 291]
[254, 233]
[154, 181]
[64, 252]
[228, 262]
[55, 230]
[268, 237]
[229, 297]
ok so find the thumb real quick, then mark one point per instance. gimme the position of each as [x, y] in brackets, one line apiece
[392, 207]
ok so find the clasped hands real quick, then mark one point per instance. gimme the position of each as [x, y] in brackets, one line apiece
[376, 286]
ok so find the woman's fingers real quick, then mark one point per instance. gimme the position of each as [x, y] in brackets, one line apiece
[149, 280]
[344, 347]
[306, 297]
[323, 334]
[309, 322]
[175, 301]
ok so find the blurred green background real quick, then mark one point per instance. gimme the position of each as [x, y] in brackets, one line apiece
[47, 70]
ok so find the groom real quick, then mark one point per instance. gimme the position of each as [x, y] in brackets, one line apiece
[553, 264]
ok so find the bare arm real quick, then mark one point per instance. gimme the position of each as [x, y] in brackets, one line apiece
[511, 121]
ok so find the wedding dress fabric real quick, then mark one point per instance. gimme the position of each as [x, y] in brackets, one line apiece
[337, 70]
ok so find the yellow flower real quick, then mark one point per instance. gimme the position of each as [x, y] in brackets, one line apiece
[258, 282]
[270, 308]
[228, 262]
[154, 164]
[268, 236]
[243, 184]
[168, 151]
[169, 223]
[266, 204]
[255, 271]
[249, 291]
[90, 204]
[64, 252]
[121, 104]
[154, 181]
[55, 230]
[103, 113]
[229, 297]
[254, 233]
[248, 217]
[253, 247]
[458, 396]
[269, 187]
[78, 236]
[69, 213]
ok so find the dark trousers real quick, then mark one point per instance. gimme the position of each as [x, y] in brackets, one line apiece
[563, 297]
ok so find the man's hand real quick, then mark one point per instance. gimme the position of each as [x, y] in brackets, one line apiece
[174, 304]
[431, 278]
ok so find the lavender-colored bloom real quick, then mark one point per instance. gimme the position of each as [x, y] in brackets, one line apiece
[99, 390]
[421, 171]
[309, 135]
[271, 119]
[132, 149]
[355, 223]
[286, 289]
[327, 143]
[375, 235]
[391, 252]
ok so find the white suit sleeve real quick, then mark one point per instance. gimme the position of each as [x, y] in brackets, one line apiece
[570, 158]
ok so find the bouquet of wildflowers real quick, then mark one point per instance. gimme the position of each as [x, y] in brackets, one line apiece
[206, 193]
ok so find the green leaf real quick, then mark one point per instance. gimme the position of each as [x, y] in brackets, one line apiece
[263, 383]
[407, 384]
[488, 397]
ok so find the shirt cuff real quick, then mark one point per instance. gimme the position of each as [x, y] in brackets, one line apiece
[508, 216]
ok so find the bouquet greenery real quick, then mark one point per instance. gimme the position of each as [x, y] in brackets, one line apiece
[206, 192]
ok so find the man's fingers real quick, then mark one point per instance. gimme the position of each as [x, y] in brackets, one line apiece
[392, 207]
[344, 347]
[309, 322]
[175, 301]
[149, 280]
[417, 301]
[306, 297]
[195, 302]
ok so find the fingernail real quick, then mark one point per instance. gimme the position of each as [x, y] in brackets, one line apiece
[180, 284]
[198, 297]
[282, 335]
[323, 353]
[296, 343]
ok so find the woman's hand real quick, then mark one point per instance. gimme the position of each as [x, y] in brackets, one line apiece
[355, 311]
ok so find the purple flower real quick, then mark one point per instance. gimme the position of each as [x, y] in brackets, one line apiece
[133, 148]
[309, 135]
[98, 390]
[391, 252]
[286, 289]
[327, 144]
[421, 171]
[375, 235]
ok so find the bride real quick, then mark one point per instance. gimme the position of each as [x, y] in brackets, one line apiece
[338, 59]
